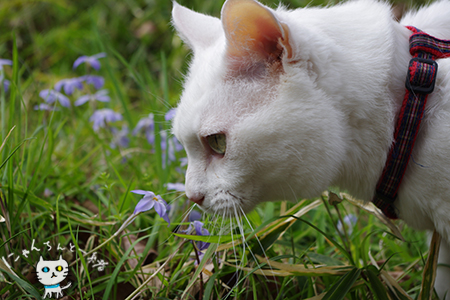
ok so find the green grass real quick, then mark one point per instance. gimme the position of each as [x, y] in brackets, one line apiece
[62, 184]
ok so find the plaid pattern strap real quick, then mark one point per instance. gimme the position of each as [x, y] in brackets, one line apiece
[420, 81]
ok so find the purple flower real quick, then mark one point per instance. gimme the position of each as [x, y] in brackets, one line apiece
[179, 187]
[199, 230]
[149, 201]
[101, 96]
[194, 216]
[120, 137]
[102, 116]
[45, 106]
[349, 222]
[69, 84]
[171, 144]
[96, 81]
[91, 60]
[147, 125]
[51, 96]
[170, 114]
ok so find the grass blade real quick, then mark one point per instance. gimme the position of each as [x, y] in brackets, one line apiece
[376, 285]
[429, 272]
[340, 289]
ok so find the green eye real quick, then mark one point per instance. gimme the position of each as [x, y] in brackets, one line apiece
[217, 142]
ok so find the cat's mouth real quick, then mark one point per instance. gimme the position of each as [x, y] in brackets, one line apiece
[53, 275]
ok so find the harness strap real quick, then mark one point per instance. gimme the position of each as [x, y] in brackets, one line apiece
[420, 81]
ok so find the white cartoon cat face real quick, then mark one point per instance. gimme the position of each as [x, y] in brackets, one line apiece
[51, 272]
[238, 117]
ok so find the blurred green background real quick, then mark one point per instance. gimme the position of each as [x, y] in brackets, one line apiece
[51, 34]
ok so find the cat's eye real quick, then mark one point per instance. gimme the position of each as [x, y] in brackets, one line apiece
[217, 142]
[45, 269]
[59, 268]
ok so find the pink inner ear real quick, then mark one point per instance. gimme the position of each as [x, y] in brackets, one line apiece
[252, 31]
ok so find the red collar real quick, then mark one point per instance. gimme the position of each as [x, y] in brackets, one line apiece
[420, 81]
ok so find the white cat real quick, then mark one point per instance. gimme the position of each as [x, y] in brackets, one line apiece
[281, 104]
[50, 273]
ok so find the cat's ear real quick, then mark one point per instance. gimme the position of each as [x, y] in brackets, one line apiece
[199, 31]
[41, 259]
[252, 31]
[60, 257]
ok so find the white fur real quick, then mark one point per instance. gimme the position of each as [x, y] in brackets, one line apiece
[327, 119]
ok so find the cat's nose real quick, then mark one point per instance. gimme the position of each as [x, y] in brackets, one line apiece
[197, 199]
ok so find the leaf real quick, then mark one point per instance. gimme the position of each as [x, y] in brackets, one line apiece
[208, 254]
[333, 198]
[429, 272]
[340, 289]
[375, 283]
[22, 284]
[6, 138]
[13, 151]
[308, 270]
[394, 288]
[209, 286]
[323, 259]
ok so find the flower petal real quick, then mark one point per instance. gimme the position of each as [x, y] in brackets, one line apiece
[79, 61]
[145, 204]
[194, 216]
[47, 95]
[63, 100]
[170, 114]
[161, 209]
[82, 100]
[5, 62]
[95, 64]
[142, 192]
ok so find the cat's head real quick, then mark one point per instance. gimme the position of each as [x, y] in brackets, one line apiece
[251, 116]
[51, 272]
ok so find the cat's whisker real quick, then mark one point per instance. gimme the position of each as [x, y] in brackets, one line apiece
[262, 248]
[235, 255]
[293, 192]
[234, 251]
[241, 229]
[174, 192]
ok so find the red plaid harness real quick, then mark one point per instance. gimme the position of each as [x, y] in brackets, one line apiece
[420, 81]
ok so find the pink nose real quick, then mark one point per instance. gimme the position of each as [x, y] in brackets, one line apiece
[198, 200]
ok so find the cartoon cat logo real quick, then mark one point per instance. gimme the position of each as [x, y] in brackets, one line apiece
[50, 273]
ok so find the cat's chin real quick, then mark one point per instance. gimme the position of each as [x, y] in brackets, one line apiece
[224, 212]
[228, 205]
